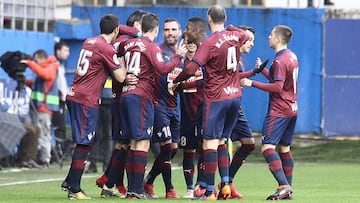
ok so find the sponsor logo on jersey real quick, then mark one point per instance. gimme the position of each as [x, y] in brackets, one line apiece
[231, 90]
[127, 88]
[173, 74]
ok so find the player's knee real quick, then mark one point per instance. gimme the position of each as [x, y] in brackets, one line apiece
[251, 147]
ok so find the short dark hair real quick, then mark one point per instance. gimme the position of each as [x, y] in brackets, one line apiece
[167, 20]
[149, 22]
[284, 32]
[135, 16]
[41, 53]
[244, 27]
[60, 44]
[108, 23]
[191, 38]
[198, 22]
[217, 13]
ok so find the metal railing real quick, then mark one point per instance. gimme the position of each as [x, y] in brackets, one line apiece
[33, 15]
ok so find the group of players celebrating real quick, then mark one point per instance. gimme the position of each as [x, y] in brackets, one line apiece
[207, 74]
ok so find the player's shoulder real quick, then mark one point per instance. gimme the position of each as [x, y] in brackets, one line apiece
[123, 38]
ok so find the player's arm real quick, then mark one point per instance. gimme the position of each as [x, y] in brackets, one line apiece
[275, 87]
[246, 74]
[265, 73]
[261, 67]
[232, 28]
[164, 68]
[127, 30]
[185, 74]
[243, 36]
[120, 73]
[186, 84]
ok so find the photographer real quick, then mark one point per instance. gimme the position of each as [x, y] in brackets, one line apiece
[45, 98]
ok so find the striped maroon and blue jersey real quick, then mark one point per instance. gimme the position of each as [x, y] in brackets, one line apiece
[219, 54]
[117, 86]
[192, 93]
[143, 58]
[96, 60]
[162, 97]
[284, 68]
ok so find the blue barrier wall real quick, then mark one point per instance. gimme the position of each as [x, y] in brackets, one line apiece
[307, 43]
[342, 78]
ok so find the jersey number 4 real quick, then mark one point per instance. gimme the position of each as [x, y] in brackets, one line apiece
[231, 59]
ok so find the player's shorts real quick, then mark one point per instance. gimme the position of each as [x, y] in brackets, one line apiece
[219, 118]
[137, 117]
[83, 122]
[278, 130]
[190, 131]
[166, 125]
[242, 127]
[116, 131]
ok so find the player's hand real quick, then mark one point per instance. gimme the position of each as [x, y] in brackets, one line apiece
[245, 82]
[181, 48]
[131, 79]
[259, 67]
[171, 88]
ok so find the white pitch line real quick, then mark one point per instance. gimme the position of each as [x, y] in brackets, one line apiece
[50, 179]
[37, 181]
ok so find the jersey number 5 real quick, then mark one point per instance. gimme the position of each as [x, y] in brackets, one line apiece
[83, 62]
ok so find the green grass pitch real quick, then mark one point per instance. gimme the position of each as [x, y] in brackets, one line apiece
[316, 182]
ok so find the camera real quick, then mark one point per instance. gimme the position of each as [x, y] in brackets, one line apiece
[10, 62]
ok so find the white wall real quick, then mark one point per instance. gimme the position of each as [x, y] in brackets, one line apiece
[338, 4]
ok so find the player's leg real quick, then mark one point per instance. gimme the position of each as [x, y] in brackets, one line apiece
[114, 173]
[285, 152]
[188, 142]
[200, 185]
[162, 135]
[213, 124]
[230, 108]
[140, 119]
[273, 130]
[242, 132]
[83, 121]
[175, 135]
